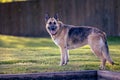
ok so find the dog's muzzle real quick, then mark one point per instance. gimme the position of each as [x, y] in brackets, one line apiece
[52, 29]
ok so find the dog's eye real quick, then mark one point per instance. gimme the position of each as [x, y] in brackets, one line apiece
[54, 23]
[50, 23]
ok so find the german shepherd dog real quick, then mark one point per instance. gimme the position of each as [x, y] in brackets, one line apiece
[68, 37]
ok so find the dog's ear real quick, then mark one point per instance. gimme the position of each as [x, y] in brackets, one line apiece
[56, 16]
[47, 17]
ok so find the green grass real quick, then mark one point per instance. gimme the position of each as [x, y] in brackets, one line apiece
[31, 55]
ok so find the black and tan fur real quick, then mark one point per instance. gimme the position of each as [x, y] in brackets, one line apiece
[68, 37]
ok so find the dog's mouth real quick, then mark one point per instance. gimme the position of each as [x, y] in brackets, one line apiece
[52, 30]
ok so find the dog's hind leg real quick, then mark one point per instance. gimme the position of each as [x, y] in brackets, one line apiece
[100, 48]
[98, 53]
[103, 63]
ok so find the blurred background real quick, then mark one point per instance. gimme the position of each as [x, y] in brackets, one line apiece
[27, 17]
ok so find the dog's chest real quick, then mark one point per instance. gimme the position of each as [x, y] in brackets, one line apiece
[56, 41]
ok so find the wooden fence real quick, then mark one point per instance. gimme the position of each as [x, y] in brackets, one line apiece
[27, 18]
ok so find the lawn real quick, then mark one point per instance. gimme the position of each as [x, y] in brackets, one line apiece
[32, 55]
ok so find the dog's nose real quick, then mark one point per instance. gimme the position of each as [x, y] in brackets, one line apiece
[53, 27]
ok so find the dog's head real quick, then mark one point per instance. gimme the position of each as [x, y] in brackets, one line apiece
[52, 24]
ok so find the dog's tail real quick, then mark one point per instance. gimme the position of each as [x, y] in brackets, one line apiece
[105, 51]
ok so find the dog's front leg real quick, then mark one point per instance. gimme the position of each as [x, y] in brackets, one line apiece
[64, 56]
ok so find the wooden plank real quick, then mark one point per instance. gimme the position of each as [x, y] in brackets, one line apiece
[69, 75]
[108, 75]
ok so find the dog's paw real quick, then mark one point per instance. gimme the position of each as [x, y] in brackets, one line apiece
[62, 64]
[101, 67]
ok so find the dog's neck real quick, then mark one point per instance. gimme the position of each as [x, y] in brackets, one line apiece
[63, 30]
